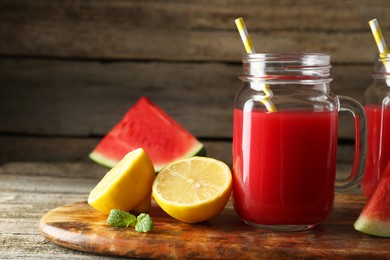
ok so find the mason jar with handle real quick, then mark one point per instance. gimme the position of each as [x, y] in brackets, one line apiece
[377, 106]
[285, 141]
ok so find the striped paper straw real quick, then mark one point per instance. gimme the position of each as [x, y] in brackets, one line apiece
[380, 41]
[246, 40]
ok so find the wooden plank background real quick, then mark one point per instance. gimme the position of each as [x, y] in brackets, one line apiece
[70, 69]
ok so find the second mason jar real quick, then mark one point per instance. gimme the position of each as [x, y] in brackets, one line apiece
[377, 106]
[285, 141]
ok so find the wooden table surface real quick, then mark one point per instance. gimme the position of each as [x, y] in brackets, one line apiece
[29, 190]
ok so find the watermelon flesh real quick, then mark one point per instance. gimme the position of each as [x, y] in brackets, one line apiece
[148, 126]
[375, 217]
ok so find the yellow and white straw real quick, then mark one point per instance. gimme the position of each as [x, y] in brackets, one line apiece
[380, 41]
[246, 40]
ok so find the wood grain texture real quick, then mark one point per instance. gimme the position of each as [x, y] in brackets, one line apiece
[74, 98]
[28, 190]
[79, 226]
[69, 149]
[24, 199]
[183, 46]
[275, 15]
[78, 98]
[73, 68]
[190, 30]
[36, 150]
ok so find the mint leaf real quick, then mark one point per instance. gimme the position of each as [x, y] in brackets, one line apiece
[120, 218]
[144, 223]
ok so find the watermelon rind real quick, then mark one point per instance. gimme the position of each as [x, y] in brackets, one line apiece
[372, 227]
[102, 160]
[375, 216]
[200, 152]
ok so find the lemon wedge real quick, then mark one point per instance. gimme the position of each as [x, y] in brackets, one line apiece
[193, 190]
[127, 185]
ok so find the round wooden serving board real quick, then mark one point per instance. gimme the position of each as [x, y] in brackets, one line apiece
[79, 226]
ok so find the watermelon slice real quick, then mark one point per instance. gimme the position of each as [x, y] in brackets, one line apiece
[375, 217]
[148, 126]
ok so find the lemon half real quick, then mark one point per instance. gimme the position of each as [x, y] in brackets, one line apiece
[193, 190]
[126, 185]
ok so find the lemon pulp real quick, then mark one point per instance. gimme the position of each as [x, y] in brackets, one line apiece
[193, 190]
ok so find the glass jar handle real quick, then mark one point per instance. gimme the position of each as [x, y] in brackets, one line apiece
[359, 164]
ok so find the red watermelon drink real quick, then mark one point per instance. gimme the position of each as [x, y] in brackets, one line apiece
[378, 153]
[284, 168]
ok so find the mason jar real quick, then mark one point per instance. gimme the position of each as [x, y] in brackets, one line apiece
[285, 141]
[377, 106]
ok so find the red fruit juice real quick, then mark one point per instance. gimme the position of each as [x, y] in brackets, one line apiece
[378, 152]
[284, 166]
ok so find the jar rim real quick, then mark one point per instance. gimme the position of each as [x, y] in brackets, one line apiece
[285, 57]
[286, 66]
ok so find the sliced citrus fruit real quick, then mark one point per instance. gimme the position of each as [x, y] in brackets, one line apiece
[126, 185]
[193, 190]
